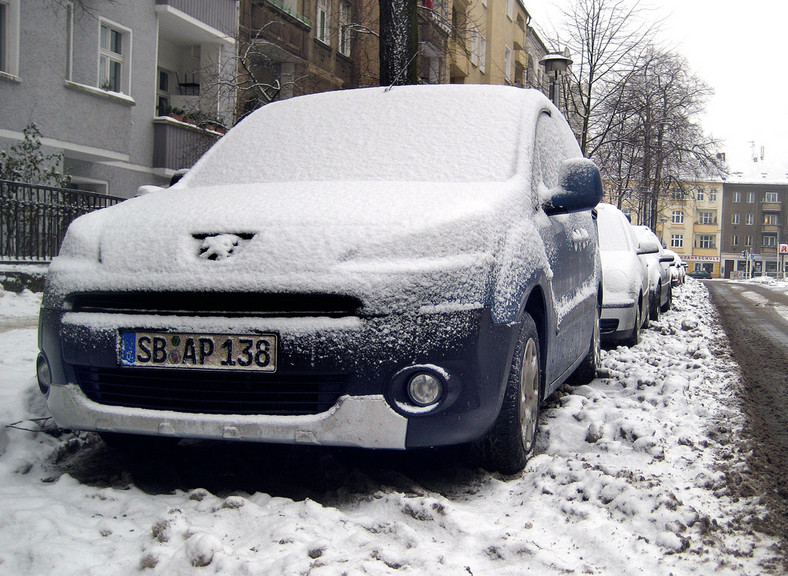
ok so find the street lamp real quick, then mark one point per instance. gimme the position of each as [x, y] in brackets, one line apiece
[554, 64]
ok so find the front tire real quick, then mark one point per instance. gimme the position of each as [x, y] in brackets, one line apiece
[509, 443]
[655, 305]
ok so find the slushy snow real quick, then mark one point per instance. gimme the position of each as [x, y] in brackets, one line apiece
[630, 476]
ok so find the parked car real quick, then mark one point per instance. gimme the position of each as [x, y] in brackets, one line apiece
[658, 266]
[677, 268]
[625, 301]
[421, 274]
[699, 274]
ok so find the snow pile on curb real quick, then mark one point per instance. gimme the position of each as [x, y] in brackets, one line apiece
[630, 476]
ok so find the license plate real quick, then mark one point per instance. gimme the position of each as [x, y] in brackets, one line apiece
[255, 352]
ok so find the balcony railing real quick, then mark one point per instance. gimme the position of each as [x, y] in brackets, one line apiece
[771, 206]
[218, 14]
[178, 145]
[34, 219]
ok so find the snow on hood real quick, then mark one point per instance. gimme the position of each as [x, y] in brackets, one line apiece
[292, 236]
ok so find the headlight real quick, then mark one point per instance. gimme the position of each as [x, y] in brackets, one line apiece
[424, 389]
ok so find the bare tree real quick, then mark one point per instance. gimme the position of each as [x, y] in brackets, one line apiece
[603, 38]
[654, 142]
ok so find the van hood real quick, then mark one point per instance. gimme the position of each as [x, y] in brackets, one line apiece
[337, 237]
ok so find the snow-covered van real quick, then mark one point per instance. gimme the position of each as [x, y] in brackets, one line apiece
[383, 268]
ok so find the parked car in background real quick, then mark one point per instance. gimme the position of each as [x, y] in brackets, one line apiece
[625, 301]
[658, 267]
[677, 268]
[421, 274]
[699, 275]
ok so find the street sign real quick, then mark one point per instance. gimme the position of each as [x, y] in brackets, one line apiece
[783, 248]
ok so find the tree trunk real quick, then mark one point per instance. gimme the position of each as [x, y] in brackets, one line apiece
[399, 42]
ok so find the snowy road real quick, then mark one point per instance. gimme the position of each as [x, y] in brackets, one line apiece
[755, 320]
[633, 475]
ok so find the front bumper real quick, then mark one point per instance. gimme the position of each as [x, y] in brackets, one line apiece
[367, 354]
[617, 320]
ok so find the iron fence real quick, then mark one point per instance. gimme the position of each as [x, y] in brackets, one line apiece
[34, 219]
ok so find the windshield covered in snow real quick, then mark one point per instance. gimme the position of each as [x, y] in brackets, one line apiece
[420, 133]
[614, 230]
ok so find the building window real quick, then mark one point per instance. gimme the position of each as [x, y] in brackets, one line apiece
[345, 10]
[700, 194]
[770, 197]
[482, 53]
[507, 63]
[705, 241]
[510, 9]
[748, 240]
[771, 219]
[677, 240]
[323, 22]
[735, 218]
[677, 217]
[768, 241]
[713, 195]
[750, 220]
[114, 52]
[9, 37]
[737, 196]
[706, 218]
[735, 240]
[750, 197]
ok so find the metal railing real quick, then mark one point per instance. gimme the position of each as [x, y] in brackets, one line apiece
[34, 219]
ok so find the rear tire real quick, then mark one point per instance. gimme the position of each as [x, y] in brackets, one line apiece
[586, 371]
[509, 443]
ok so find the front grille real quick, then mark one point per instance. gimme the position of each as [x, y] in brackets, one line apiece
[218, 304]
[607, 325]
[211, 391]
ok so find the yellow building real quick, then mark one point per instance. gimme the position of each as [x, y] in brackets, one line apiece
[691, 225]
[489, 44]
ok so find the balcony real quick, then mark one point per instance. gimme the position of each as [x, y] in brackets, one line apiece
[281, 34]
[178, 144]
[770, 228]
[217, 14]
[771, 206]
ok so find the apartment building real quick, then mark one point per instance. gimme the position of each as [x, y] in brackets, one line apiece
[754, 225]
[128, 92]
[690, 224]
[492, 43]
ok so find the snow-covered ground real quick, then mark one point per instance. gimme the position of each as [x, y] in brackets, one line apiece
[629, 477]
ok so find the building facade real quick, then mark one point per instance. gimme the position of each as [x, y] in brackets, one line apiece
[492, 42]
[754, 225]
[128, 92]
[690, 224]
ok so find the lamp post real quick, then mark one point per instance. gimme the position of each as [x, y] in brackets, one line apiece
[555, 64]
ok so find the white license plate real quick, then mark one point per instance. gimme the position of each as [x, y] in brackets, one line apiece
[256, 352]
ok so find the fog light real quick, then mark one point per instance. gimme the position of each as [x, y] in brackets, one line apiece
[43, 373]
[425, 389]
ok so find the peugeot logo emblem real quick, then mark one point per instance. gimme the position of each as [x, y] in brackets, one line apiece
[221, 246]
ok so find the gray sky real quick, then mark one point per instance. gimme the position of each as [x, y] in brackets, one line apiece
[739, 49]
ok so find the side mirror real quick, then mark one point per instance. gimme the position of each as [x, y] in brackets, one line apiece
[579, 187]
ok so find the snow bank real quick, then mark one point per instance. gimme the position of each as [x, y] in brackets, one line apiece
[629, 477]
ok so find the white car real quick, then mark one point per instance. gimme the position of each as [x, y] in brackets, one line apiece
[625, 300]
[677, 271]
[658, 266]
